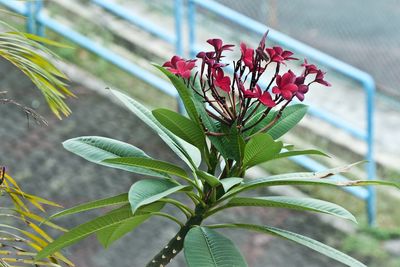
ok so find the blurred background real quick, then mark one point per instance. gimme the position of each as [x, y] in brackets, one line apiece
[114, 42]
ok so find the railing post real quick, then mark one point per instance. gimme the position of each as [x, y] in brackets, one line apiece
[178, 13]
[33, 9]
[371, 167]
[191, 13]
[30, 20]
[39, 26]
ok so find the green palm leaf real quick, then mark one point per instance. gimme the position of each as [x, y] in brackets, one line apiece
[20, 49]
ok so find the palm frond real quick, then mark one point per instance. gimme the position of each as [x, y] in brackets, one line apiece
[20, 237]
[27, 53]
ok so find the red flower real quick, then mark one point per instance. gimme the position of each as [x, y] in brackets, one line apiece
[264, 97]
[266, 100]
[223, 82]
[180, 67]
[218, 45]
[172, 62]
[285, 85]
[302, 88]
[276, 54]
[248, 93]
[247, 55]
[309, 68]
[319, 78]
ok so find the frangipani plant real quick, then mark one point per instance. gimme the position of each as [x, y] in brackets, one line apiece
[233, 123]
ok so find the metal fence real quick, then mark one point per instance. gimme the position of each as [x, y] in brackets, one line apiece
[341, 28]
[37, 21]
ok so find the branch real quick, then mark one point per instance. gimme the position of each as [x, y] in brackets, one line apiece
[28, 111]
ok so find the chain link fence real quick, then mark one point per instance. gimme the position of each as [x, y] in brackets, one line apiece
[363, 33]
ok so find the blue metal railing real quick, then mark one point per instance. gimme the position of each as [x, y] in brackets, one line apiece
[367, 194]
[37, 21]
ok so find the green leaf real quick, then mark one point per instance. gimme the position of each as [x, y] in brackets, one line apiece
[263, 182]
[298, 178]
[260, 148]
[145, 192]
[86, 229]
[181, 126]
[233, 143]
[300, 239]
[291, 116]
[292, 153]
[228, 183]
[206, 247]
[210, 124]
[151, 164]
[96, 204]
[145, 115]
[184, 93]
[210, 179]
[96, 149]
[44, 40]
[111, 234]
[308, 204]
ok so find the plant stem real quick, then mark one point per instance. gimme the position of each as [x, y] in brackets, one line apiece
[175, 245]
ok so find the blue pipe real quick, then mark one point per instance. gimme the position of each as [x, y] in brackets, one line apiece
[126, 15]
[108, 55]
[192, 28]
[371, 166]
[39, 28]
[15, 7]
[30, 19]
[178, 13]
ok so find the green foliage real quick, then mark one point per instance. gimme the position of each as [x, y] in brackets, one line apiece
[146, 116]
[27, 53]
[206, 247]
[302, 240]
[261, 148]
[291, 116]
[97, 149]
[185, 94]
[101, 203]
[109, 235]
[305, 204]
[146, 192]
[227, 151]
[78, 233]
[182, 127]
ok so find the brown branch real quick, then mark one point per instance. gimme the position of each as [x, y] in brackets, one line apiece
[28, 111]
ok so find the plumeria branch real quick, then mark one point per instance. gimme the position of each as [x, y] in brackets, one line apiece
[235, 99]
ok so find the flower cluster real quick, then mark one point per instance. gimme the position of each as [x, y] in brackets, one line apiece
[235, 92]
